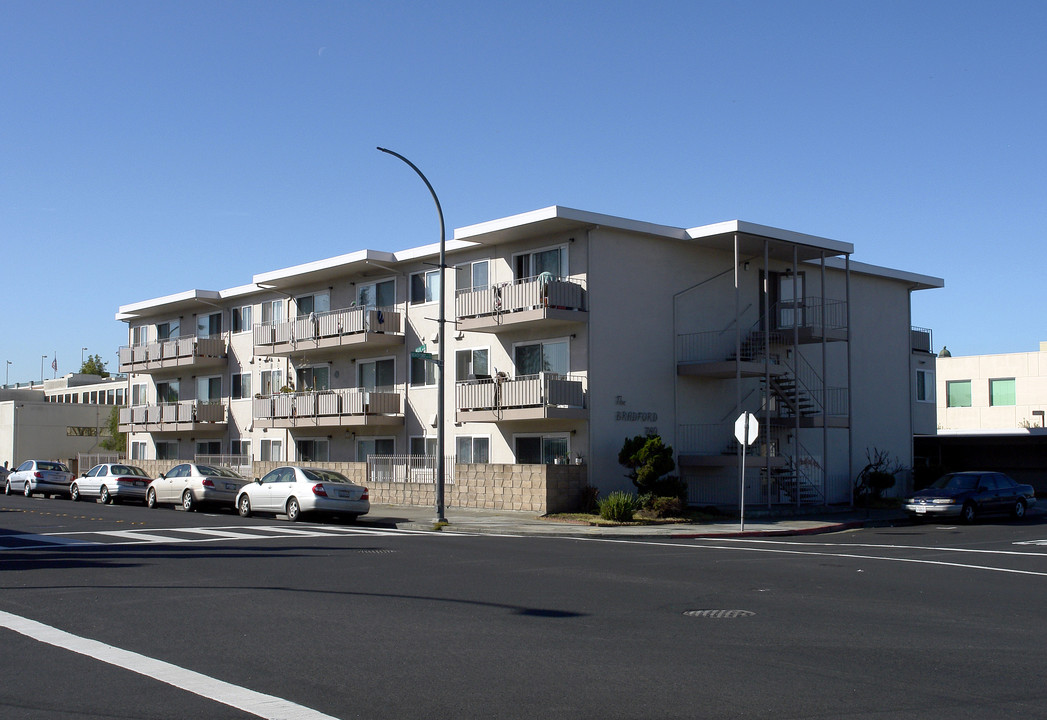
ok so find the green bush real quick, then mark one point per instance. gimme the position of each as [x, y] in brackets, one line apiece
[618, 507]
[647, 458]
[666, 507]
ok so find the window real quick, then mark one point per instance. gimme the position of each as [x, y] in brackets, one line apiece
[241, 319]
[209, 325]
[273, 311]
[110, 397]
[209, 389]
[314, 378]
[318, 303]
[1001, 392]
[423, 372]
[924, 386]
[241, 386]
[240, 447]
[374, 446]
[376, 374]
[119, 396]
[272, 450]
[473, 276]
[532, 264]
[138, 394]
[271, 382]
[167, 392]
[958, 393]
[423, 446]
[425, 287]
[138, 336]
[209, 447]
[533, 358]
[312, 450]
[473, 449]
[167, 450]
[471, 362]
[378, 294]
[167, 330]
[138, 451]
[541, 449]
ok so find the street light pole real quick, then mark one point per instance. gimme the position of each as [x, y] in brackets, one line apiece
[440, 350]
[42, 358]
[7, 375]
[82, 351]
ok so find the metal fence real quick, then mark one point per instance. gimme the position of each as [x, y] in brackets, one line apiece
[408, 468]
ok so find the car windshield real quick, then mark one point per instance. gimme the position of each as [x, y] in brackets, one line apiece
[217, 471]
[324, 475]
[128, 470]
[956, 482]
[58, 467]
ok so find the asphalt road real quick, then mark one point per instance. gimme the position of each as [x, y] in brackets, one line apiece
[364, 621]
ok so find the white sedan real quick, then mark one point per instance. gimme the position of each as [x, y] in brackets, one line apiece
[45, 477]
[293, 490]
[191, 485]
[111, 482]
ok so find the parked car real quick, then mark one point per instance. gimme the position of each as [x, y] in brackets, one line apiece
[193, 485]
[111, 482]
[293, 490]
[45, 477]
[970, 494]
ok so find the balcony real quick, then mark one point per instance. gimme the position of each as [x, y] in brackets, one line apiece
[531, 397]
[185, 416]
[345, 407]
[174, 353]
[521, 304]
[920, 339]
[355, 326]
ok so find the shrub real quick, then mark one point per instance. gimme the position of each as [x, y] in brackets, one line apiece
[647, 459]
[618, 507]
[663, 507]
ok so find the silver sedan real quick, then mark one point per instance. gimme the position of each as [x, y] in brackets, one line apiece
[45, 477]
[111, 482]
[293, 490]
[191, 485]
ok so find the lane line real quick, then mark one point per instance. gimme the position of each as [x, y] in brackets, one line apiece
[241, 698]
[892, 547]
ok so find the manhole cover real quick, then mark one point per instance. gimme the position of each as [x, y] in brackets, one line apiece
[727, 614]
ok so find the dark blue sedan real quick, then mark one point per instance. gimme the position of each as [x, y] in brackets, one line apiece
[970, 494]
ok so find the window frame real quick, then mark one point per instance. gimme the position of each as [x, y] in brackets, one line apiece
[241, 317]
[925, 386]
[426, 299]
[993, 391]
[949, 385]
[543, 437]
[360, 363]
[542, 342]
[565, 270]
[472, 266]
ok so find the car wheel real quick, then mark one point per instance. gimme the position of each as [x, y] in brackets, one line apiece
[968, 513]
[26, 490]
[104, 496]
[188, 504]
[150, 498]
[74, 492]
[1018, 512]
[294, 510]
[243, 506]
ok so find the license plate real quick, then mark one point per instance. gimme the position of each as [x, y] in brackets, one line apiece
[139, 483]
[230, 486]
[920, 510]
[344, 495]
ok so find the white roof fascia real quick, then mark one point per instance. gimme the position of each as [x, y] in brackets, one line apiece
[327, 264]
[556, 214]
[129, 312]
[430, 250]
[924, 282]
[747, 228]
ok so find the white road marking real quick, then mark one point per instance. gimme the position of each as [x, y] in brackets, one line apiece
[250, 701]
[895, 547]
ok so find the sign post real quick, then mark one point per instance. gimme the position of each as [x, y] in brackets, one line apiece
[746, 430]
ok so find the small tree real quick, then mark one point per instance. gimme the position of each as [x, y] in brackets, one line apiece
[877, 476]
[113, 440]
[93, 365]
[648, 459]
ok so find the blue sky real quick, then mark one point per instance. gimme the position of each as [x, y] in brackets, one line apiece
[148, 148]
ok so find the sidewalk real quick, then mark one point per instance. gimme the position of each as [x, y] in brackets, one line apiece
[506, 522]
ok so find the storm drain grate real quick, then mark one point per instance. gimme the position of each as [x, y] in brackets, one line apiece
[726, 614]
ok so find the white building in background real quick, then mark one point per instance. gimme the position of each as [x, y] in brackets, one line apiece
[58, 419]
[992, 392]
[568, 332]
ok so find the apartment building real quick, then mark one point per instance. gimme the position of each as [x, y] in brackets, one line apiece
[567, 332]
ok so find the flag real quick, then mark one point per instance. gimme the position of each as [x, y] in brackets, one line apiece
[54, 364]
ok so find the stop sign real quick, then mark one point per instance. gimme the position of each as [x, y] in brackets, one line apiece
[746, 428]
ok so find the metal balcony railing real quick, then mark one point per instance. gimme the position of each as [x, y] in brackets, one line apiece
[525, 294]
[186, 411]
[326, 403]
[171, 350]
[331, 324]
[543, 389]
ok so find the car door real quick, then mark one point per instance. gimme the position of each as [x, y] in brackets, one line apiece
[988, 493]
[261, 493]
[172, 484]
[20, 476]
[280, 490]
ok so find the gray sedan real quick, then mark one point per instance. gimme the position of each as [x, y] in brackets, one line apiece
[191, 485]
[111, 482]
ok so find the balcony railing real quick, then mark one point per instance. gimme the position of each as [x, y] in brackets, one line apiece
[186, 412]
[526, 294]
[332, 326]
[329, 405]
[172, 352]
[528, 391]
[921, 339]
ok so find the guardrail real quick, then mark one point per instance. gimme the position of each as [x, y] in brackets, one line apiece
[543, 389]
[525, 294]
[330, 324]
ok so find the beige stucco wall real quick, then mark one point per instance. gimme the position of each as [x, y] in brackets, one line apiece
[1029, 371]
